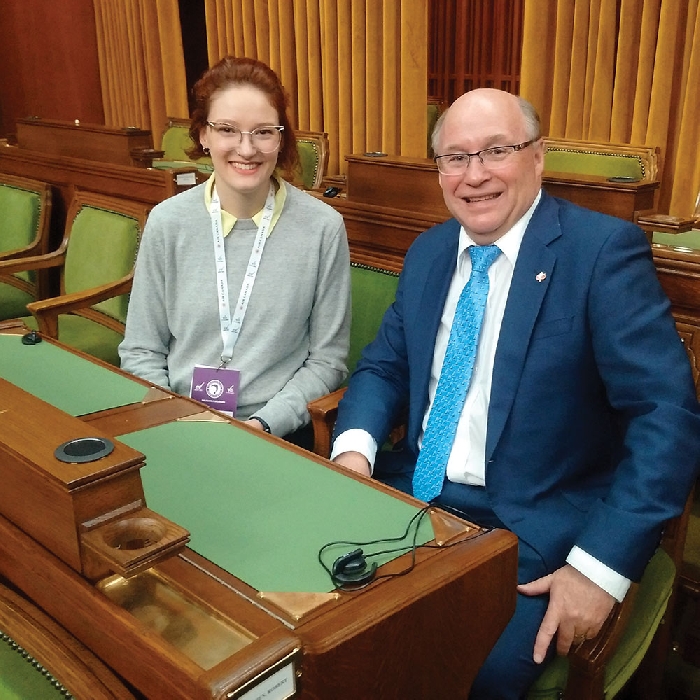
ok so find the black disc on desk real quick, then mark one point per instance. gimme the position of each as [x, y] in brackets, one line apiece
[84, 449]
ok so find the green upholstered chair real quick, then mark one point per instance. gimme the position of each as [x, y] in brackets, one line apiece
[602, 667]
[96, 260]
[313, 159]
[39, 660]
[603, 159]
[25, 214]
[174, 144]
[373, 291]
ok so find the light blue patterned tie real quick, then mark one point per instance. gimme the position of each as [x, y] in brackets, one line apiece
[455, 377]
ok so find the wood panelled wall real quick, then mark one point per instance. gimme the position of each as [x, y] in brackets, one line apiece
[48, 62]
[474, 43]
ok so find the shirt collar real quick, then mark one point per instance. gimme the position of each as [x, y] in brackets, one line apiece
[510, 241]
[228, 221]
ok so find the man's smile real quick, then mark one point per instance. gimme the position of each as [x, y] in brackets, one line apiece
[481, 198]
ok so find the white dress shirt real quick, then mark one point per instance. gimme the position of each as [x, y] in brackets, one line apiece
[467, 461]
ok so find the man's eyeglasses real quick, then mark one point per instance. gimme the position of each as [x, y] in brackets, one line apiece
[492, 158]
[266, 139]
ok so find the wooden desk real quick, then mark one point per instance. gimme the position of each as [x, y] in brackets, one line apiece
[420, 635]
[679, 273]
[390, 200]
[77, 139]
[620, 199]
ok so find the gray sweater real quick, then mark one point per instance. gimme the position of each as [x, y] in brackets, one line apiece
[294, 340]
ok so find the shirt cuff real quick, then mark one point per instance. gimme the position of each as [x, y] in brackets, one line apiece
[356, 440]
[603, 576]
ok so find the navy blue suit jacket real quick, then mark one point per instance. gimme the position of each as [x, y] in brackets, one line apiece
[593, 430]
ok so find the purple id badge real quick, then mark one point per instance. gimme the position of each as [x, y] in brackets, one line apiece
[217, 388]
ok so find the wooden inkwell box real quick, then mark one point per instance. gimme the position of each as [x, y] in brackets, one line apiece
[76, 532]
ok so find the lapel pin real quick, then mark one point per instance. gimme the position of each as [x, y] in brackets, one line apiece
[541, 276]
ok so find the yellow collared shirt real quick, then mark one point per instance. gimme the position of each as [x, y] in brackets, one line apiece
[228, 221]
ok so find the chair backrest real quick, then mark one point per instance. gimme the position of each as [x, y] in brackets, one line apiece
[102, 238]
[175, 143]
[26, 207]
[373, 291]
[604, 159]
[312, 147]
[24, 230]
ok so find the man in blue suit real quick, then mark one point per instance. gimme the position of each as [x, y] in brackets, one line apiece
[580, 429]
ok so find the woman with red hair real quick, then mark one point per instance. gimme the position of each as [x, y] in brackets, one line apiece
[241, 295]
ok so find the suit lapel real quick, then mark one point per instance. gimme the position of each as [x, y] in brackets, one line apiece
[531, 278]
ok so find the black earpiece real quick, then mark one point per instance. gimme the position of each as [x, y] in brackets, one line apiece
[352, 569]
[31, 338]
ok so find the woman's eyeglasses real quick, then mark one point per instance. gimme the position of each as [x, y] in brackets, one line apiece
[265, 138]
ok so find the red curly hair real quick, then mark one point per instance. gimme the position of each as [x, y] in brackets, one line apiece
[232, 70]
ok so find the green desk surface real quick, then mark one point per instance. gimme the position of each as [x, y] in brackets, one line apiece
[23, 678]
[63, 379]
[260, 511]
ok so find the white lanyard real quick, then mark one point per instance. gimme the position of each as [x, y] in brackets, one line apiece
[231, 326]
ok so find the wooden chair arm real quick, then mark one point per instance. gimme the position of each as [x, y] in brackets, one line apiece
[24, 252]
[323, 412]
[587, 661]
[33, 262]
[47, 311]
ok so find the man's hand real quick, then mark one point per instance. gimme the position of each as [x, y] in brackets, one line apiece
[577, 609]
[355, 461]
